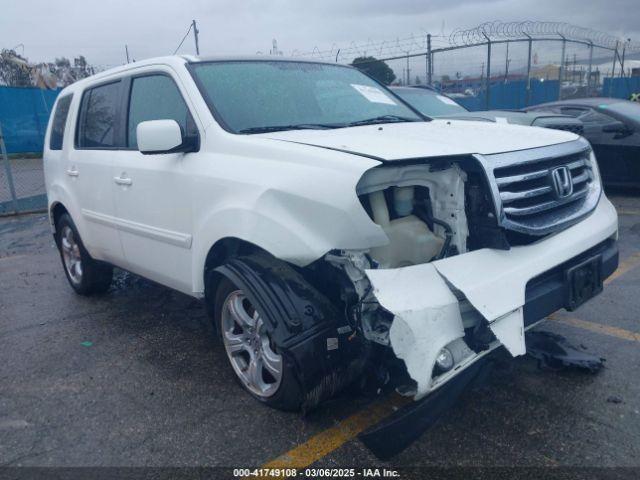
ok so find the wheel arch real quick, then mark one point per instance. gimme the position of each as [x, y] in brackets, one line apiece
[56, 210]
[219, 253]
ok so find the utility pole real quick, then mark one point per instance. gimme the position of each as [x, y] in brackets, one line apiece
[408, 71]
[195, 35]
[126, 49]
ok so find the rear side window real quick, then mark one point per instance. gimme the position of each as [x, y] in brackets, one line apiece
[59, 122]
[156, 97]
[98, 117]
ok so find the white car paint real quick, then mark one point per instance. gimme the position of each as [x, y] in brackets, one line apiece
[159, 215]
[433, 139]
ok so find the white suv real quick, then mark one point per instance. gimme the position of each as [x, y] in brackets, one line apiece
[328, 226]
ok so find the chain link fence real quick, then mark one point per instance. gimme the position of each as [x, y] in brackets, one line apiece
[502, 65]
[24, 113]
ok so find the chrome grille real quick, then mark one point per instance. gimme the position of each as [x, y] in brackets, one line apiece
[529, 200]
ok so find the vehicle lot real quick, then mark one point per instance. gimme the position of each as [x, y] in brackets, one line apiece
[133, 378]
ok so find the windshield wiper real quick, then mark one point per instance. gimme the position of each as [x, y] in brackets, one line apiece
[279, 128]
[382, 119]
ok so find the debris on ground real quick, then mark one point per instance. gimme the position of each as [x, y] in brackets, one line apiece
[554, 352]
[403, 427]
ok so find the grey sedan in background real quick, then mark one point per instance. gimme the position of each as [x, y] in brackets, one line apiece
[612, 126]
[433, 104]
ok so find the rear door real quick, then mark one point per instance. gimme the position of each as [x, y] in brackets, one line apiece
[98, 137]
[152, 194]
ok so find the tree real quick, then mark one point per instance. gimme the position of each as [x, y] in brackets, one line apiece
[14, 69]
[375, 68]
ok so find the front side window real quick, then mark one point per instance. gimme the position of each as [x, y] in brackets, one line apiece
[573, 111]
[156, 97]
[98, 117]
[258, 96]
[587, 115]
[59, 122]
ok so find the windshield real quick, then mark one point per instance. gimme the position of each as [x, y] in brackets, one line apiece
[628, 110]
[429, 103]
[262, 96]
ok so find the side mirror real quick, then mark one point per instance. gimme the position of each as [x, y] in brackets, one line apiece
[163, 136]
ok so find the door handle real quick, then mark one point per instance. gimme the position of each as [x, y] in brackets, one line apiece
[123, 180]
[72, 172]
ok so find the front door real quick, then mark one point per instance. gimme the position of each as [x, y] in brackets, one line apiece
[151, 192]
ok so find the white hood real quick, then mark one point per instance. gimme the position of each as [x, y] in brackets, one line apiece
[396, 141]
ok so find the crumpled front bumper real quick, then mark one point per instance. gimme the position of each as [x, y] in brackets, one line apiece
[427, 315]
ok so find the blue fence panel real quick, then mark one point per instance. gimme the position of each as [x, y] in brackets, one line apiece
[473, 104]
[543, 91]
[24, 113]
[621, 87]
[513, 95]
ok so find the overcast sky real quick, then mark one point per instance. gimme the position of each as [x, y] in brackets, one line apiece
[100, 29]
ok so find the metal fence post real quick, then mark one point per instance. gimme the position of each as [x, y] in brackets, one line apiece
[528, 85]
[429, 60]
[7, 168]
[488, 84]
[613, 69]
[561, 69]
[589, 70]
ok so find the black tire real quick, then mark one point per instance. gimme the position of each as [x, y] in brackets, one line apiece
[288, 396]
[93, 276]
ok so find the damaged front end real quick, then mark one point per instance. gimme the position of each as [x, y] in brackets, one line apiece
[469, 237]
[479, 249]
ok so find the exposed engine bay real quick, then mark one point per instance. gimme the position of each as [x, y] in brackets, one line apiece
[421, 209]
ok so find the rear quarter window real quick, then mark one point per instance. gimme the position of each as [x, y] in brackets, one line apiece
[59, 122]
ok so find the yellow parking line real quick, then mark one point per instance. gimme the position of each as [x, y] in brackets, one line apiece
[628, 264]
[598, 328]
[329, 440]
[334, 437]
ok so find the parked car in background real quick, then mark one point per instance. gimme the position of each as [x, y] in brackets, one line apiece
[433, 104]
[612, 126]
[329, 229]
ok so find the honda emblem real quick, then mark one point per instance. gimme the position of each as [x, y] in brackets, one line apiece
[562, 181]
